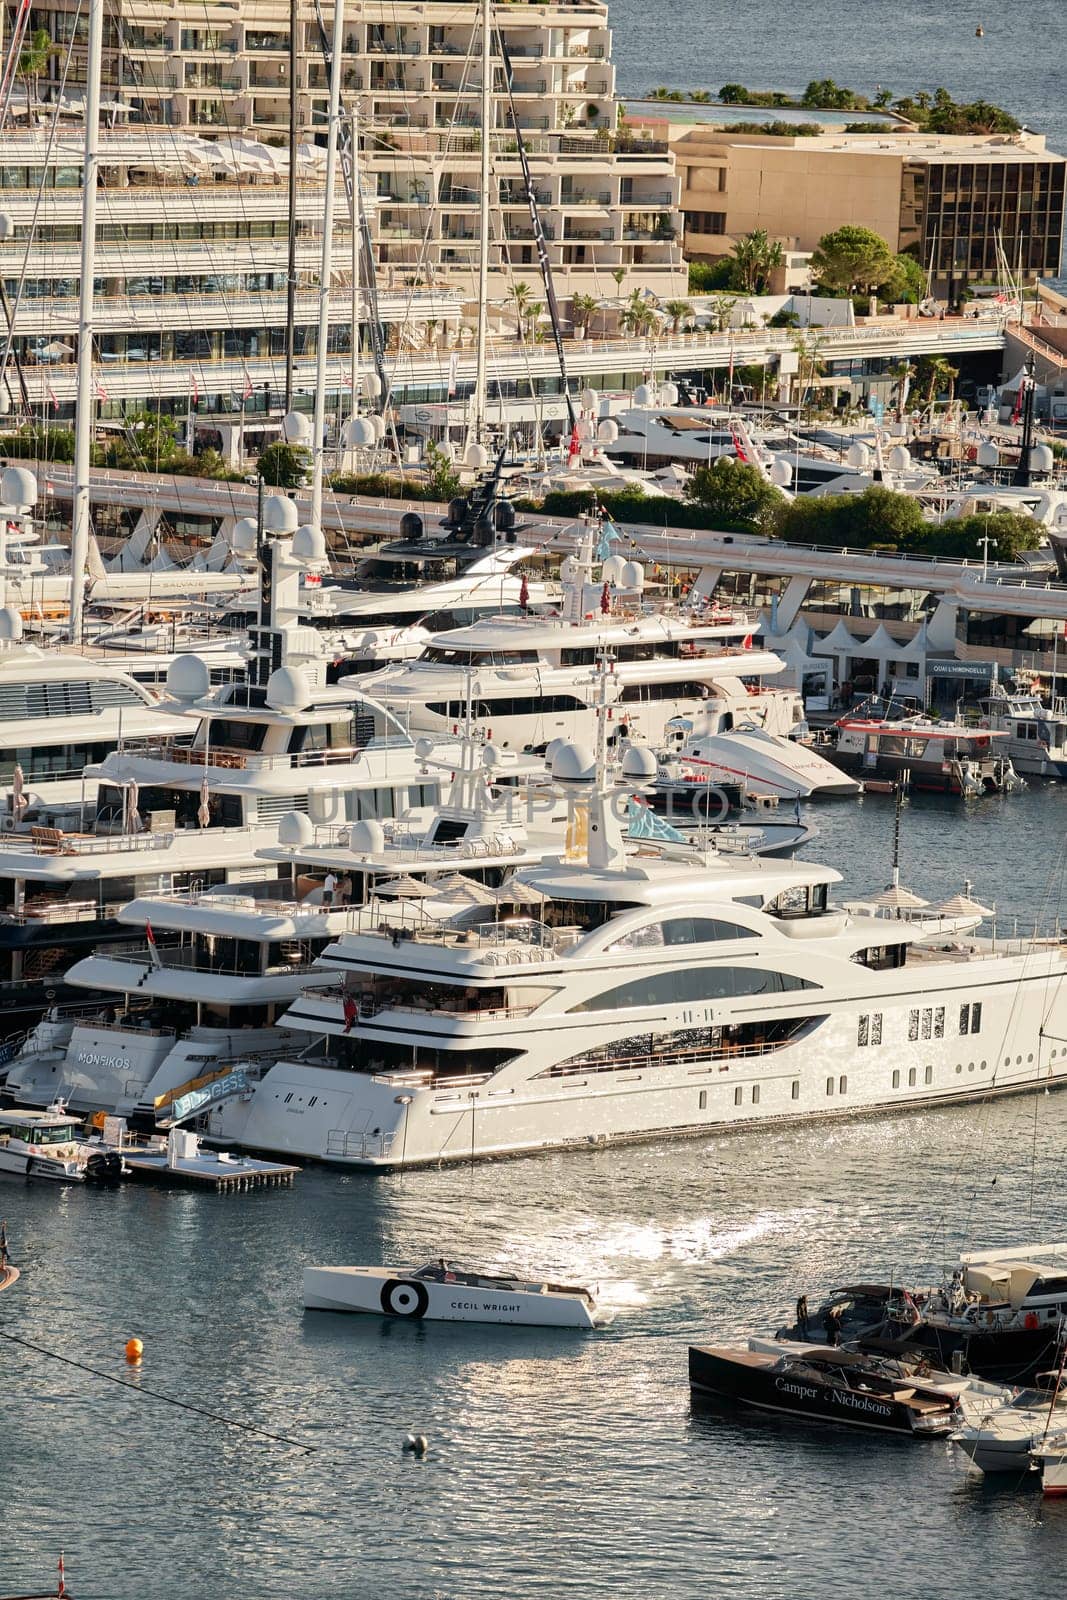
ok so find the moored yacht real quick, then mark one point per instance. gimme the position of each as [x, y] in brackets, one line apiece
[624, 997]
[942, 757]
[1034, 737]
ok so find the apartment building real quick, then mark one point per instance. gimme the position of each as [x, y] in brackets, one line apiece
[948, 200]
[412, 74]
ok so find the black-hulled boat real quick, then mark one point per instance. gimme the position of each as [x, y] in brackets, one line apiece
[827, 1385]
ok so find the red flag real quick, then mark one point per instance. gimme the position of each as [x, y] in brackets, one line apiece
[746, 642]
[246, 393]
[52, 397]
[101, 392]
[1018, 409]
[524, 593]
[575, 447]
[605, 599]
[739, 449]
[151, 938]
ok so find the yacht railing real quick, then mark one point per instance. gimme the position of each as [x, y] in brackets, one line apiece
[426, 1007]
[512, 936]
[221, 756]
[54, 842]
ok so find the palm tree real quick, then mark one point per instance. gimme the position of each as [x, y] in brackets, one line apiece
[520, 293]
[33, 60]
[584, 308]
[938, 374]
[637, 316]
[755, 256]
[676, 310]
[901, 374]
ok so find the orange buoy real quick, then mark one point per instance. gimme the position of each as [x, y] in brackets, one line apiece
[134, 1351]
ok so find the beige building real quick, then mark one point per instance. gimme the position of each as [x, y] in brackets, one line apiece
[608, 200]
[945, 199]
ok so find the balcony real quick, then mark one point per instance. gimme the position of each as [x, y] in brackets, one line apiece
[195, 79]
[378, 46]
[601, 199]
[273, 43]
[397, 85]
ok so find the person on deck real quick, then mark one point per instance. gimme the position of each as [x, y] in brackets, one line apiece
[802, 1317]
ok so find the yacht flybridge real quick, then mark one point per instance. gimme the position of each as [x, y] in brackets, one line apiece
[630, 996]
[533, 680]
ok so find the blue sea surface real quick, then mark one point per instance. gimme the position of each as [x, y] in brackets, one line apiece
[559, 1463]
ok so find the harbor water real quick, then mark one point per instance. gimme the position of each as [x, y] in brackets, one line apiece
[559, 1463]
[907, 47]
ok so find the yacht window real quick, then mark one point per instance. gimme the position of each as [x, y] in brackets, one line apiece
[449, 656]
[739, 1095]
[682, 689]
[230, 733]
[528, 705]
[971, 1017]
[802, 900]
[576, 656]
[649, 1051]
[880, 957]
[796, 1089]
[694, 983]
[681, 930]
[323, 736]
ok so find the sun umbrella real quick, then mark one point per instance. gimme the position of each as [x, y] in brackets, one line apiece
[517, 892]
[896, 898]
[470, 889]
[405, 887]
[961, 905]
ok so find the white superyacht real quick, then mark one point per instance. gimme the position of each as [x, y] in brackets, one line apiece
[624, 997]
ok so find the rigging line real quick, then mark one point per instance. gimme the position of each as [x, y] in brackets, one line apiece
[157, 1394]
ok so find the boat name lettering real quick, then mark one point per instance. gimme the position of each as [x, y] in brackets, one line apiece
[90, 1058]
[801, 1390]
[483, 1305]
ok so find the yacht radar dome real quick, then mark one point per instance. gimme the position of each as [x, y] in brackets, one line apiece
[295, 831]
[18, 487]
[477, 457]
[781, 472]
[988, 454]
[424, 748]
[639, 765]
[411, 526]
[668, 394]
[188, 679]
[7, 226]
[900, 458]
[280, 514]
[613, 569]
[588, 399]
[492, 756]
[288, 690]
[5, 403]
[358, 433]
[1041, 458]
[377, 426]
[858, 456]
[573, 763]
[243, 537]
[10, 625]
[296, 428]
[643, 395]
[309, 545]
[366, 837]
[608, 431]
[632, 575]
[370, 385]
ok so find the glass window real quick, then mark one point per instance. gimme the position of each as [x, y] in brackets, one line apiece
[842, 1085]
[876, 1028]
[693, 984]
[796, 1089]
[896, 1078]
[863, 1031]
[738, 1095]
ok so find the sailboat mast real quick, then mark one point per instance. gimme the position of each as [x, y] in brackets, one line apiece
[483, 240]
[318, 448]
[79, 539]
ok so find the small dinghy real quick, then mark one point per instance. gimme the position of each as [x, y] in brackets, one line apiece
[441, 1292]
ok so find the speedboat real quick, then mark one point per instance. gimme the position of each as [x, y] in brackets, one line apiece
[49, 1144]
[441, 1292]
[1003, 1440]
[827, 1385]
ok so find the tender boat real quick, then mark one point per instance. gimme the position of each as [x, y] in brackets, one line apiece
[827, 1385]
[49, 1144]
[1003, 1440]
[943, 757]
[441, 1292]
[1050, 1459]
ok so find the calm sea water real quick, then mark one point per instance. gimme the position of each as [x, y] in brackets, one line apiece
[905, 46]
[559, 1464]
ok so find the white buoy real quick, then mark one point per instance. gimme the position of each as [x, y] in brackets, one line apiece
[415, 1444]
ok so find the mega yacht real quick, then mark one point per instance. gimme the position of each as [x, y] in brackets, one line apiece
[632, 996]
[403, 594]
[164, 813]
[533, 680]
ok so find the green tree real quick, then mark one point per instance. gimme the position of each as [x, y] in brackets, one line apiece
[637, 317]
[754, 258]
[147, 443]
[906, 283]
[705, 276]
[876, 517]
[520, 293]
[584, 308]
[442, 479]
[283, 466]
[678, 310]
[936, 374]
[33, 60]
[700, 97]
[979, 116]
[734, 94]
[825, 93]
[882, 98]
[961, 537]
[737, 493]
[851, 260]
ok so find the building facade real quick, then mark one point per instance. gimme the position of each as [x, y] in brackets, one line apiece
[951, 201]
[412, 75]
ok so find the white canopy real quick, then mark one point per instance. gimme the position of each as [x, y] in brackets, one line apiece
[839, 640]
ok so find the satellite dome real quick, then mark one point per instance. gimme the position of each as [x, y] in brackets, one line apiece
[573, 763]
[280, 514]
[858, 456]
[569, 569]
[366, 838]
[7, 225]
[411, 526]
[295, 831]
[377, 426]
[781, 472]
[900, 458]
[457, 511]
[370, 384]
[492, 756]
[243, 537]
[551, 747]
[639, 764]
[5, 403]
[424, 747]
[588, 399]
[988, 455]
[10, 625]
[477, 457]
[608, 431]
[309, 544]
[668, 394]
[632, 575]
[296, 428]
[504, 516]
[358, 433]
[643, 395]
[18, 487]
[1041, 458]
[288, 689]
[612, 569]
[188, 679]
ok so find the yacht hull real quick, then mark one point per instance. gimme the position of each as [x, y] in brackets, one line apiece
[379, 1291]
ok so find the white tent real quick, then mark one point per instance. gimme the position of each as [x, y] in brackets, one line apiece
[839, 642]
